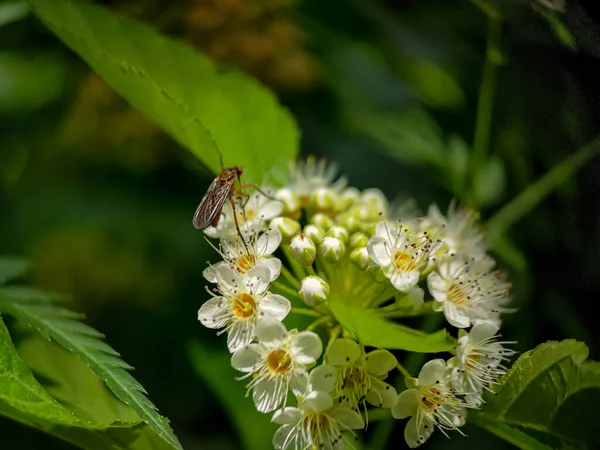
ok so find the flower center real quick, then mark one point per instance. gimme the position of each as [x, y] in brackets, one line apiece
[431, 399]
[244, 305]
[404, 261]
[315, 423]
[246, 262]
[245, 215]
[279, 361]
[472, 360]
[456, 294]
[354, 378]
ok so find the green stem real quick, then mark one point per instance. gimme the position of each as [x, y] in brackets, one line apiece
[403, 370]
[485, 103]
[289, 277]
[320, 321]
[283, 288]
[523, 203]
[305, 312]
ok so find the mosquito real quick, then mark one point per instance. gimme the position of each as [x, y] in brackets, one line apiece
[220, 190]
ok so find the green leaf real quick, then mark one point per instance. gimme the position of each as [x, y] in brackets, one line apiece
[23, 399]
[373, 330]
[11, 12]
[38, 310]
[202, 106]
[510, 434]
[11, 268]
[489, 182]
[254, 430]
[435, 87]
[540, 395]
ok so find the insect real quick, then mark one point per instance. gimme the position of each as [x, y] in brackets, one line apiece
[219, 191]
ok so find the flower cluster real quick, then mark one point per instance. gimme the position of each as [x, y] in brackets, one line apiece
[337, 241]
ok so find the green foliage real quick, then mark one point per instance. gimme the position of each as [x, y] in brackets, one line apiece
[11, 268]
[252, 428]
[373, 330]
[39, 310]
[537, 399]
[11, 12]
[204, 107]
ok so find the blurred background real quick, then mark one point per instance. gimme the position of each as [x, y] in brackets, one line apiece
[100, 200]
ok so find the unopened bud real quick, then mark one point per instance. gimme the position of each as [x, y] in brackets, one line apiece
[332, 249]
[291, 202]
[360, 257]
[340, 233]
[315, 233]
[314, 290]
[323, 199]
[303, 250]
[347, 198]
[288, 227]
[322, 221]
[358, 240]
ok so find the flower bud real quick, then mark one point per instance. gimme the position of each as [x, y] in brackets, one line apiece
[347, 198]
[313, 232]
[360, 257]
[288, 227]
[358, 240]
[303, 250]
[349, 222]
[322, 221]
[323, 199]
[314, 290]
[340, 233]
[291, 202]
[332, 249]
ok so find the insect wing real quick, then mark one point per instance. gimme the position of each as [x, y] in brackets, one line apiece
[211, 204]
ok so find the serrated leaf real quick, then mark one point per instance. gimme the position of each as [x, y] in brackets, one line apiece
[535, 391]
[85, 343]
[254, 431]
[373, 330]
[11, 268]
[23, 399]
[202, 106]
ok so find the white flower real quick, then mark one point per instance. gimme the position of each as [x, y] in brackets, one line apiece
[314, 424]
[242, 300]
[358, 375]
[251, 218]
[310, 175]
[401, 254]
[314, 290]
[244, 257]
[430, 403]
[331, 249]
[479, 361]
[303, 250]
[277, 363]
[459, 233]
[466, 293]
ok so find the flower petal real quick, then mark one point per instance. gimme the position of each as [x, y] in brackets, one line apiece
[258, 278]
[406, 405]
[271, 331]
[323, 378]
[404, 281]
[343, 352]
[348, 419]
[288, 415]
[240, 334]
[380, 362]
[482, 331]
[274, 265]
[274, 305]
[299, 381]
[438, 286]
[281, 438]
[432, 371]
[268, 242]
[317, 401]
[379, 251]
[270, 209]
[214, 313]
[456, 316]
[268, 395]
[381, 394]
[245, 359]
[416, 435]
[306, 347]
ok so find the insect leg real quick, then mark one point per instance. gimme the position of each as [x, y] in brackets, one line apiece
[253, 186]
[237, 225]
